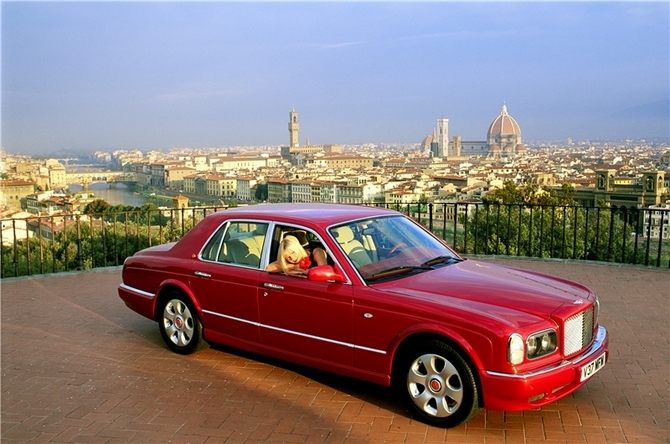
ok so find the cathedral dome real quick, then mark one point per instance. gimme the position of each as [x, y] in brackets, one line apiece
[425, 143]
[506, 134]
[504, 125]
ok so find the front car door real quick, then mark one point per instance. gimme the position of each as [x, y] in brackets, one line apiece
[302, 317]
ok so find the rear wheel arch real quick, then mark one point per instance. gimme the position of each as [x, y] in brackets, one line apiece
[164, 292]
[179, 321]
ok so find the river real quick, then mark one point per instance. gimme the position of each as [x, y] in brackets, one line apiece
[115, 196]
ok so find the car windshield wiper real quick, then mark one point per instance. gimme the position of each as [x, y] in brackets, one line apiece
[396, 271]
[446, 260]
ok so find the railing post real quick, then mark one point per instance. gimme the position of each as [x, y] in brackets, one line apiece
[610, 241]
[16, 252]
[625, 234]
[430, 217]
[39, 238]
[2, 254]
[660, 240]
[455, 223]
[637, 232]
[80, 252]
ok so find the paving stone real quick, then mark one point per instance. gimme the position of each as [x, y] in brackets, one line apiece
[79, 366]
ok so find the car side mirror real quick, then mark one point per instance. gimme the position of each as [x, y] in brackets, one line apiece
[324, 273]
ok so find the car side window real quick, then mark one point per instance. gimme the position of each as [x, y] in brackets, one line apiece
[211, 250]
[243, 243]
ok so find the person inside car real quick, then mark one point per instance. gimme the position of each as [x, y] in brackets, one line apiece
[293, 259]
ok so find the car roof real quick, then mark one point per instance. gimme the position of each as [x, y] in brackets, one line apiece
[321, 213]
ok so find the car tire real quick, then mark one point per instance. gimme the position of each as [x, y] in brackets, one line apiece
[438, 384]
[179, 324]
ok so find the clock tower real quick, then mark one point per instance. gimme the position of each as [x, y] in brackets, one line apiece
[293, 128]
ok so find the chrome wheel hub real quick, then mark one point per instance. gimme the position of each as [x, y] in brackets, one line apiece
[178, 322]
[435, 385]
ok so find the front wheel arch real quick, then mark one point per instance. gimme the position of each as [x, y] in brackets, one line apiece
[410, 342]
[450, 354]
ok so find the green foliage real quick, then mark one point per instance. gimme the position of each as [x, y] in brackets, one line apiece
[548, 224]
[97, 206]
[99, 240]
[261, 193]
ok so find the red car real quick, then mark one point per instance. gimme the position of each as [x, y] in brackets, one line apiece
[393, 305]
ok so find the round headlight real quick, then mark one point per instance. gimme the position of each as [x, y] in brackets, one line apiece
[515, 349]
[531, 343]
[545, 342]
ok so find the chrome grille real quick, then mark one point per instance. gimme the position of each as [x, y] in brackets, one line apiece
[577, 332]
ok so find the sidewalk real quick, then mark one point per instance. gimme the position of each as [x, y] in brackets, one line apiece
[80, 367]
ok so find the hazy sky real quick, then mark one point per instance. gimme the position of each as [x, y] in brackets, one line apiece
[127, 75]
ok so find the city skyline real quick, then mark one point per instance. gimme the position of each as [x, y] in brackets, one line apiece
[110, 75]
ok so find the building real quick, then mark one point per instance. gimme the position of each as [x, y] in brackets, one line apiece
[656, 221]
[642, 191]
[174, 176]
[57, 176]
[294, 149]
[246, 188]
[342, 162]
[12, 192]
[221, 186]
[442, 133]
[279, 190]
[503, 139]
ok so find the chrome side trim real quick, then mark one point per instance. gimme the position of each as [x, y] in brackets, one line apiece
[373, 350]
[232, 318]
[600, 338]
[137, 291]
[291, 332]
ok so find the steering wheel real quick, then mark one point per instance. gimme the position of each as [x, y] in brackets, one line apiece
[397, 248]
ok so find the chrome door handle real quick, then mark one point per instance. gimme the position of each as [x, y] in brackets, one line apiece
[202, 274]
[273, 286]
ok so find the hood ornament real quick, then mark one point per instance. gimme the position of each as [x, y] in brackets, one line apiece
[577, 302]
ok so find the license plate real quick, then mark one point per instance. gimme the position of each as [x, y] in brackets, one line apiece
[592, 367]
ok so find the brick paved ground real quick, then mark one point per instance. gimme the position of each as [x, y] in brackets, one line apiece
[78, 366]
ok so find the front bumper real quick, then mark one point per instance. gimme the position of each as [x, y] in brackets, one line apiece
[524, 391]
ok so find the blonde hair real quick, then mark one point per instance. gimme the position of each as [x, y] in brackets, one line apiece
[289, 242]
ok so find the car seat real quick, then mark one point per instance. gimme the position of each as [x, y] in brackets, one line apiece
[353, 248]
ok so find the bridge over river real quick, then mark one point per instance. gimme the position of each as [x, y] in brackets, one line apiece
[110, 177]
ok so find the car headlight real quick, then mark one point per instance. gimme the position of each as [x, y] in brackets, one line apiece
[515, 349]
[541, 343]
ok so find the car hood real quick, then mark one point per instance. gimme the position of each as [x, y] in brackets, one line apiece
[491, 284]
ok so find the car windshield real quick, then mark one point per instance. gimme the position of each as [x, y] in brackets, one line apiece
[391, 247]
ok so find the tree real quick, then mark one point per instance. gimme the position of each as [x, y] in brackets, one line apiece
[98, 206]
[261, 193]
[528, 221]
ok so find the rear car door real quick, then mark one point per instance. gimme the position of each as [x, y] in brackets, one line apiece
[226, 278]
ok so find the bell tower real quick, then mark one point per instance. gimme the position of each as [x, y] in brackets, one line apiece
[293, 128]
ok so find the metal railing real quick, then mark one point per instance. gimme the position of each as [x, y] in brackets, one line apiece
[52, 244]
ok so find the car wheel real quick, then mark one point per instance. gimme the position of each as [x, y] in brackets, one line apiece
[439, 385]
[179, 324]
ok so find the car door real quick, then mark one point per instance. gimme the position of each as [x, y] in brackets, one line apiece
[226, 278]
[302, 317]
